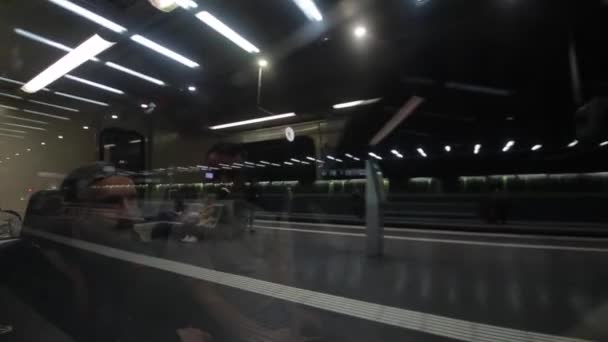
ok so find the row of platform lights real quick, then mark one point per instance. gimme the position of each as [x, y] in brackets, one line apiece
[314, 161]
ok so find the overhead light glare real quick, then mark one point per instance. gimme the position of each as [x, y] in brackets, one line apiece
[309, 9]
[85, 127]
[91, 47]
[11, 96]
[448, 148]
[54, 106]
[25, 126]
[537, 147]
[192, 88]
[95, 84]
[135, 73]
[356, 103]
[23, 119]
[360, 31]
[508, 146]
[311, 158]
[8, 107]
[373, 155]
[476, 149]
[83, 99]
[47, 115]
[8, 80]
[604, 143]
[253, 121]
[164, 51]
[331, 158]
[226, 31]
[573, 143]
[12, 136]
[12, 130]
[85, 13]
[421, 152]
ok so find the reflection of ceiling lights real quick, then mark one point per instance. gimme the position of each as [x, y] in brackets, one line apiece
[309, 9]
[360, 31]
[226, 31]
[54, 106]
[135, 73]
[164, 51]
[252, 121]
[85, 13]
[95, 84]
[356, 103]
[91, 47]
[63, 47]
[11, 96]
[83, 99]
[24, 126]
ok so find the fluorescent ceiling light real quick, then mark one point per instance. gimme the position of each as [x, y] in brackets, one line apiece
[91, 47]
[12, 130]
[85, 127]
[47, 115]
[356, 103]
[46, 41]
[572, 144]
[144, 105]
[226, 31]
[136, 141]
[114, 116]
[311, 158]
[373, 155]
[309, 9]
[60, 137]
[331, 158]
[186, 4]
[9, 107]
[288, 163]
[135, 73]
[476, 149]
[536, 147]
[12, 136]
[54, 106]
[421, 152]
[24, 126]
[295, 160]
[85, 13]
[95, 84]
[448, 148]
[192, 88]
[339, 160]
[83, 99]
[252, 121]
[360, 31]
[23, 119]
[11, 96]
[275, 164]
[164, 51]
[604, 143]
[508, 146]
[262, 63]
[10, 81]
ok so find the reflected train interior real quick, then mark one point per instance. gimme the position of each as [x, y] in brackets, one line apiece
[303, 170]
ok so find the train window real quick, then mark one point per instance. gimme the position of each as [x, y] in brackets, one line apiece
[303, 170]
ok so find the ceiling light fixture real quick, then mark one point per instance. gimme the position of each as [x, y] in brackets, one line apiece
[476, 149]
[114, 116]
[85, 127]
[85, 13]
[262, 63]
[10, 81]
[12, 130]
[164, 51]
[24, 126]
[573, 143]
[397, 154]
[135, 73]
[83, 99]
[448, 148]
[8, 107]
[331, 158]
[537, 147]
[602, 144]
[60, 137]
[95, 84]
[11, 96]
[43, 143]
[54, 106]
[192, 88]
[91, 47]
[373, 155]
[144, 105]
[253, 121]
[288, 163]
[47, 115]
[12, 136]
[360, 31]
[421, 152]
[186, 4]
[508, 146]
[311, 158]
[309, 9]
[226, 31]
[23, 119]
[356, 103]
